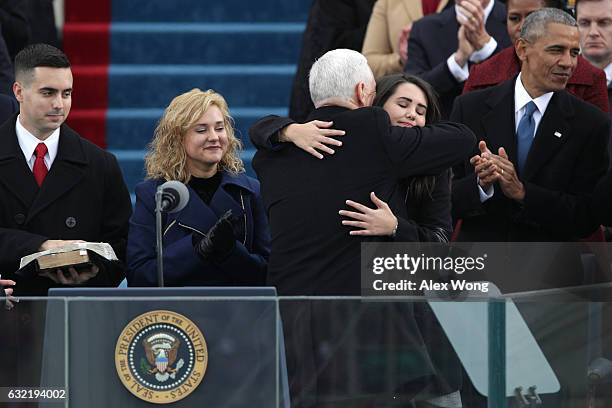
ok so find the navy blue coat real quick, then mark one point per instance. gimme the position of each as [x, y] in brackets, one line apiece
[246, 265]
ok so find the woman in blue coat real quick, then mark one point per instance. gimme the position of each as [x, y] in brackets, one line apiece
[224, 219]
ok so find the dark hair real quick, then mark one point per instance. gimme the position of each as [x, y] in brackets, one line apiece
[385, 87]
[39, 55]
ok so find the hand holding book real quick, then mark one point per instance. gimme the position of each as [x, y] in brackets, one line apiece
[67, 262]
[70, 275]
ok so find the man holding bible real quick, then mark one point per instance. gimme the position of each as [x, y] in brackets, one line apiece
[56, 187]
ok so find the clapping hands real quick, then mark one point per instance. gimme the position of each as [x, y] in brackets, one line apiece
[403, 43]
[472, 30]
[491, 168]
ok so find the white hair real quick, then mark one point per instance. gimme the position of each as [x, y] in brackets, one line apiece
[336, 74]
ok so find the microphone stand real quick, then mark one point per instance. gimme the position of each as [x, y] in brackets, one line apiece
[158, 237]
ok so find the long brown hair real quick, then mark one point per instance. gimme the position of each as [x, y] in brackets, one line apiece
[386, 86]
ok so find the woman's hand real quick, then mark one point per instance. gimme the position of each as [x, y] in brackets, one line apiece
[374, 222]
[312, 137]
[219, 242]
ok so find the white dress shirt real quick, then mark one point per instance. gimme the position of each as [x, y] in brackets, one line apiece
[521, 99]
[28, 142]
[608, 71]
[461, 74]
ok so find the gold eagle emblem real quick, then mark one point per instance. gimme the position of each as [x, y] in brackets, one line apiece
[161, 350]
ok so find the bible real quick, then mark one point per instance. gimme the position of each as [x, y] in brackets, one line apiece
[78, 255]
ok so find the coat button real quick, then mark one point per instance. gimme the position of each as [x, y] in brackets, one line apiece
[20, 218]
[70, 222]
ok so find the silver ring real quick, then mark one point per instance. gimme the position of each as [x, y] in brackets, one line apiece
[502, 173]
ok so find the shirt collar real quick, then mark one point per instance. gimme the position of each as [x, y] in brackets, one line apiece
[28, 142]
[487, 10]
[522, 98]
[608, 71]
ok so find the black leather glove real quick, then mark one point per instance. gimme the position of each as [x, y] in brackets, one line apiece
[219, 242]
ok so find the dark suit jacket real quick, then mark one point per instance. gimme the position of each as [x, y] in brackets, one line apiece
[16, 26]
[434, 38]
[610, 102]
[559, 173]
[331, 24]
[8, 107]
[7, 76]
[599, 207]
[83, 197]
[312, 253]
[587, 82]
[41, 17]
[182, 267]
[558, 169]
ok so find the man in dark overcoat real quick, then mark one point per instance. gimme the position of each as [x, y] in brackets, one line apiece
[55, 186]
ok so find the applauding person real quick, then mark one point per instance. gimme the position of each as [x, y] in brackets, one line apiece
[194, 143]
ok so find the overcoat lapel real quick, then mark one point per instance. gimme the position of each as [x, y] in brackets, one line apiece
[65, 173]
[499, 121]
[552, 133]
[202, 217]
[14, 171]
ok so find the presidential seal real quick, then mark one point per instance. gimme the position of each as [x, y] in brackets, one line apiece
[161, 357]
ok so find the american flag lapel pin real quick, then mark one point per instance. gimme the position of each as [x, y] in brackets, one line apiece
[558, 134]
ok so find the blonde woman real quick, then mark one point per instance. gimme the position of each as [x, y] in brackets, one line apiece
[194, 143]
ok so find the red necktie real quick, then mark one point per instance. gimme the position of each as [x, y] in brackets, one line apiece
[429, 6]
[40, 169]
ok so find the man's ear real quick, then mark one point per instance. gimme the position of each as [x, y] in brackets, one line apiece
[18, 91]
[360, 94]
[521, 49]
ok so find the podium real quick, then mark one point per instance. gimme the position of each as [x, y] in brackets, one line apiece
[185, 347]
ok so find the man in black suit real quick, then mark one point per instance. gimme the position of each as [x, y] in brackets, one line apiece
[530, 189]
[312, 253]
[566, 156]
[55, 186]
[542, 152]
[442, 46]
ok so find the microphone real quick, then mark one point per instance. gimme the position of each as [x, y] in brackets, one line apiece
[174, 196]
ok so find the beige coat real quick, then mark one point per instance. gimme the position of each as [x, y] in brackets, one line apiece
[380, 45]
